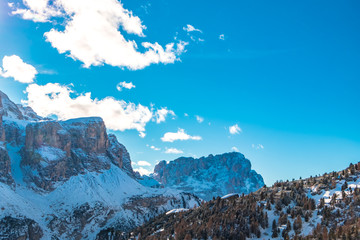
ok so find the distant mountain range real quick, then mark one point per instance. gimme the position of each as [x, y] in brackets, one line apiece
[207, 177]
[72, 180]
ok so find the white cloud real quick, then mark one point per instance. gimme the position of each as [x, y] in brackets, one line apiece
[179, 135]
[36, 10]
[222, 37]
[191, 32]
[155, 148]
[142, 171]
[235, 149]
[199, 119]
[162, 113]
[143, 163]
[15, 67]
[173, 151]
[94, 33]
[55, 99]
[258, 146]
[186, 115]
[235, 129]
[124, 84]
[190, 28]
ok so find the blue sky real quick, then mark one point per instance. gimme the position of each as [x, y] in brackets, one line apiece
[287, 73]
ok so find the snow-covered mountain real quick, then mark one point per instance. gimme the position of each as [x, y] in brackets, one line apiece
[211, 176]
[320, 207]
[70, 179]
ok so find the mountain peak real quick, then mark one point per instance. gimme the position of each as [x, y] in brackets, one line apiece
[16, 111]
[211, 176]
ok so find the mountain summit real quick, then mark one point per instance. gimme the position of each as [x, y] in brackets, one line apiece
[211, 176]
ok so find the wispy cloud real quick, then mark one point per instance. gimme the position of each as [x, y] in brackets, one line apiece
[153, 147]
[199, 119]
[235, 149]
[190, 28]
[161, 114]
[257, 147]
[222, 37]
[143, 163]
[193, 33]
[127, 85]
[173, 151]
[179, 135]
[235, 129]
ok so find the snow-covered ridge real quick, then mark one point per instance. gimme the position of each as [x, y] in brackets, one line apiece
[70, 179]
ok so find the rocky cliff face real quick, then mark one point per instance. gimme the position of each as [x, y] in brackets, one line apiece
[55, 151]
[69, 179]
[211, 176]
[5, 163]
[20, 228]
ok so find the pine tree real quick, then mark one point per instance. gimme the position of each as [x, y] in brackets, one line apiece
[274, 229]
[297, 224]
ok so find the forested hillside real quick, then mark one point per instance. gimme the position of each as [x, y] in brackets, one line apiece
[320, 207]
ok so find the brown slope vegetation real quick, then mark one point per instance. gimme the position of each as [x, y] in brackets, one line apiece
[321, 207]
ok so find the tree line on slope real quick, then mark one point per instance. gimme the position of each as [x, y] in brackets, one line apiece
[292, 206]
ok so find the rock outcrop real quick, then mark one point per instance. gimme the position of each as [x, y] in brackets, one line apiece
[211, 176]
[119, 155]
[19, 228]
[5, 163]
[17, 111]
[5, 166]
[55, 151]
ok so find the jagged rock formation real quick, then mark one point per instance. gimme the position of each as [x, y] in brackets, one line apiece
[321, 207]
[17, 111]
[5, 163]
[211, 176]
[55, 151]
[15, 228]
[70, 179]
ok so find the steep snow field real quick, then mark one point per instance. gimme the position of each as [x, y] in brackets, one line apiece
[111, 189]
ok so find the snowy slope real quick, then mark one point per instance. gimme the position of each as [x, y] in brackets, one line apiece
[321, 207]
[92, 184]
[103, 192]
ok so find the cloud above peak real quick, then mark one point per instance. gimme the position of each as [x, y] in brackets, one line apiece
[142, 171]
[179, 135]
[55, 99]
[173, 151]
[13, 66]
[94, 33]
